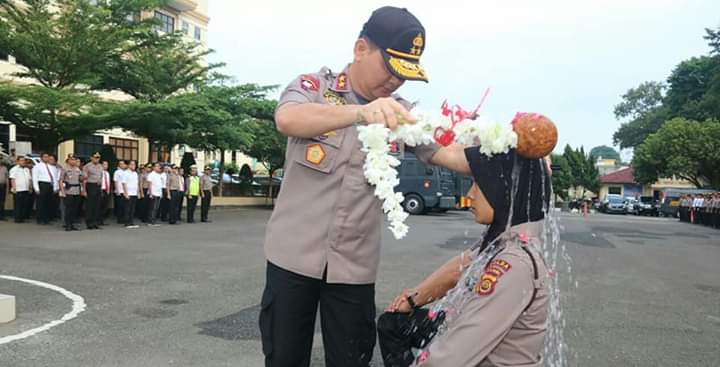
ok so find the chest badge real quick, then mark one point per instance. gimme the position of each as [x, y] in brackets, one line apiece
[333, 98]
[314, 154]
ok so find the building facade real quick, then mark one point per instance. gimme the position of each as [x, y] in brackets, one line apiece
[187, 16]
[622, 182]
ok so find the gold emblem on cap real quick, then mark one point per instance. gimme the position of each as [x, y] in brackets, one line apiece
[418, 43]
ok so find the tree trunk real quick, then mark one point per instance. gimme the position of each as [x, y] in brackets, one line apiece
[222, 172]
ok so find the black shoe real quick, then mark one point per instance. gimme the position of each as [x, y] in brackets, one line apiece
[73, 228]
[206, 221]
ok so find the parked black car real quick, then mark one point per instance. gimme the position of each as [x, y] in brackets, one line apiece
[647, 205]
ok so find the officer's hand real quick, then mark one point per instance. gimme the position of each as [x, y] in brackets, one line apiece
[84, 194]
[386, 111]
[400, 303]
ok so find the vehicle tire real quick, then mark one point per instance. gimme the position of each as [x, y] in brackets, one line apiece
[414, 204]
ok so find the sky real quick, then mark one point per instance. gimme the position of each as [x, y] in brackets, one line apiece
[569, 59]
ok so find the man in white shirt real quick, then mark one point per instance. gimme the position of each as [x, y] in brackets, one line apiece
[21, 187]
[130, 194]
[119, 201]
[43, 177]
[155, 192]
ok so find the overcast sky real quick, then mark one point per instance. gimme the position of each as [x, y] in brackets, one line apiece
[568, 59]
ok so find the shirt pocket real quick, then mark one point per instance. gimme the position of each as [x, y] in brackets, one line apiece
[320, 153]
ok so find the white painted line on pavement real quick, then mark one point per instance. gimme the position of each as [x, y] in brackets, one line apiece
[78, 306]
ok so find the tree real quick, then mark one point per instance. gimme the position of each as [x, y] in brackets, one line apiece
[689, 85]
[643, 107]
[268, 147]
[562, 178]
[583, 173]
[683, 148]
[605, 152]
[61, 44]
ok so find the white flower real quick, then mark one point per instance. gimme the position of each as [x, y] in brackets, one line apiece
[380, 166]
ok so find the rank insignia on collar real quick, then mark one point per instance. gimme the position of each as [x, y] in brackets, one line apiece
[486, 285]
[314, 154]
[333, 98]
[341, 82]
[309, 83]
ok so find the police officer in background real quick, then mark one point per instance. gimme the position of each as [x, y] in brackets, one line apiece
[323, 239]
[70, 191]
[206, 185]
[175, 184]
[93, 178]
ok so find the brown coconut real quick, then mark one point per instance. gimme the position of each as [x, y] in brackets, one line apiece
[537, 135]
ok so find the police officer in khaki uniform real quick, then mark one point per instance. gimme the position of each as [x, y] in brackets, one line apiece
[175, 184]
[93, 176]
[206, 185]
[323, 239]
[503, 313]
[70, 191]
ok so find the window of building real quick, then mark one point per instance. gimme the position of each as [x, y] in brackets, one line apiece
[234, 156]
[615, 190]
[160, 153]
[87, 145]
[167, 22]
[198, 33]
[186, 28]
[4, 56]
[125, 148]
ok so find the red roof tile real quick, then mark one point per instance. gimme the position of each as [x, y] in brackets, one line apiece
[623, 176]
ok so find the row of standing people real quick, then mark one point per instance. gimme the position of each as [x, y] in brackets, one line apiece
[701, 209]
[60, 192]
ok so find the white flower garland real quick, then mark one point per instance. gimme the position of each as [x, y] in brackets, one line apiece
[380, 166]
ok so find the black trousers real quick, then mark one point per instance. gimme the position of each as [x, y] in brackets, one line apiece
[3, 190]
[191, 205]
[129, 205]
[22, 203]
[104, 205]
[92, 204]
[180, 205]
[120, 208]
[154, 209]
[143, 208]
[287, 320]
[205, 205]
[175, 202]
[44, 202]
[72, 207]
[164, 208]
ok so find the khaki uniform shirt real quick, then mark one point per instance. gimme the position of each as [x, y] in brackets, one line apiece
[175, 182]
[206, 183]
[3, 175]
[326, 215]
[492, 329]
[71, 180]
[93, 173]
[143, 180]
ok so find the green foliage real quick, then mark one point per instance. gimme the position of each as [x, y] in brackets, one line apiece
[643, 107]
[562, 178]
[583, 174]
[684, 148]
[691, 86]
[231, 168]
[605, 152]
[268, 146]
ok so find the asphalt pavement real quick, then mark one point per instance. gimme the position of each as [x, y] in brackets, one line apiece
[639, 291]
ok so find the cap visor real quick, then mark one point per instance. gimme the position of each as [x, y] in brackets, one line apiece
[404, 69]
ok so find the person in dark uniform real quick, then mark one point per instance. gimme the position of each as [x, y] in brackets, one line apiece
[206, 185]
[323, 239]
[502, 319]
[92, 182]
[71, 191]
